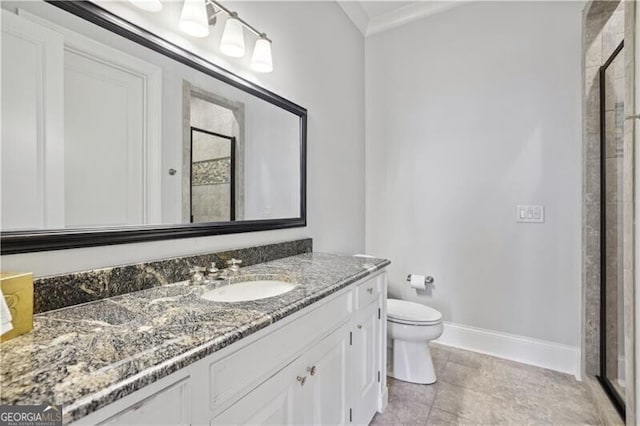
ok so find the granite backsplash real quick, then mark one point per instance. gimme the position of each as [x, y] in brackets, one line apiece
[60, 291]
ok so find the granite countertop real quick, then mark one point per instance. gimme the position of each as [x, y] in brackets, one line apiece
[87, 356]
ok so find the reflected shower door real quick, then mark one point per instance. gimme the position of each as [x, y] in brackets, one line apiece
[212, 177]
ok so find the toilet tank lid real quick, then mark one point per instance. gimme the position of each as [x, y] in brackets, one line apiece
[411, 311]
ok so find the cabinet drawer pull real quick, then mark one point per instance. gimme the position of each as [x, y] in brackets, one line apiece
[359, 325]
[312, 370]
[302, 379]
[370, 290]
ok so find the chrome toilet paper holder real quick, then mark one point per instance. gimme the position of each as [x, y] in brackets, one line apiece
[427, 280]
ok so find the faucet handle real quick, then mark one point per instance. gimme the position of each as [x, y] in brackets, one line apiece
[234, 264]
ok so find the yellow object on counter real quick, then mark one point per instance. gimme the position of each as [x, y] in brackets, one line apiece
[18, 292]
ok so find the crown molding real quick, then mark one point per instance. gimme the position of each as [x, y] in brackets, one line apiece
[356, 13]
[409, 13]
[395, 18]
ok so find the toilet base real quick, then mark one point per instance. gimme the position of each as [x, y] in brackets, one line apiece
[412, 362]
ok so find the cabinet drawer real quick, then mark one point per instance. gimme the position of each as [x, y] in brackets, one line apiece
[241, 371]
[368, 292]
[169, 406]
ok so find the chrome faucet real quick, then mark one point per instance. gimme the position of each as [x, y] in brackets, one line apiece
[213, 273]
[232, 269]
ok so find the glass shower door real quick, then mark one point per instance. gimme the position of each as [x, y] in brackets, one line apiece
[612, 353]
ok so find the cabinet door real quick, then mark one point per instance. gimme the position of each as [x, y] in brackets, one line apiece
[327, 380]
[277, 401]
[365, 363]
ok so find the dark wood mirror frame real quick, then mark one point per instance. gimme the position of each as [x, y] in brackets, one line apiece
[14, 242]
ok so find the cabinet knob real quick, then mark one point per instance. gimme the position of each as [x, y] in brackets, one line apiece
[302, 379]
[359, 326]
[312, 370]
[370, 290]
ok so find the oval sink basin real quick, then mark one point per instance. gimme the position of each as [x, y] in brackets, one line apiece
[248, 290]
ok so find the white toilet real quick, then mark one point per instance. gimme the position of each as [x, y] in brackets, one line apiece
[410, 327]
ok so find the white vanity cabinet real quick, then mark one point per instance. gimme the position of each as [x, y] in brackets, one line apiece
[170, 405]
[327, 385]
[322, 365]
[279, 400]
[310, 390]
[366, 354]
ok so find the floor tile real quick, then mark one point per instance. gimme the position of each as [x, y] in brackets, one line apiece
[474, 389]
[386, 418]
[439, 417]
[465, 403]
[468, 377]
[410, 412]
[400, 391]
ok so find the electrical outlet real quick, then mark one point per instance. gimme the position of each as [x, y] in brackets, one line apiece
[530, 214]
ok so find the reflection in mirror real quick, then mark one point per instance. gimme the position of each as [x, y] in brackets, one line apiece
[212, 170]
[100, 131]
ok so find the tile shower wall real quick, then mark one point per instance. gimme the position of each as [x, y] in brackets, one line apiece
[613, 157]
[631, 106]
[604, 23]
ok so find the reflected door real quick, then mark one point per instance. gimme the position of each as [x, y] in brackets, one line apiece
[32, 135]
[212, 176]
[104, 143]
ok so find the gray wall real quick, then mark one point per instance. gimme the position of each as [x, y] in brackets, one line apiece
[468, 114]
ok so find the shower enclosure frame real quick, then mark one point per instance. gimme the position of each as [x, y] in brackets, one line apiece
[614, 396]
[232, 183]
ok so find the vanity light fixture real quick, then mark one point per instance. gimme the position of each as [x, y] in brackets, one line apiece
[261, 58]
[148, 5]
[194, 19]
[198, 15]
[232, 43]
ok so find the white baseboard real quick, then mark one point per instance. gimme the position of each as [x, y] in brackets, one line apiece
[541, 353]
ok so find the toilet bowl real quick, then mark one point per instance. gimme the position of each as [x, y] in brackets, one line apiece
[410, 327]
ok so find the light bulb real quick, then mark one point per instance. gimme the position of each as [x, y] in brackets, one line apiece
[193, 19]
[232, 43]
[261, 59]
[148, 5]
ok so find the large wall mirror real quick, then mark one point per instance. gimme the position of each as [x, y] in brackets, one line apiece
[111, 134]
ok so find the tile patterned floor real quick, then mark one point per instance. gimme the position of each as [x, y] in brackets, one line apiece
[474, 388]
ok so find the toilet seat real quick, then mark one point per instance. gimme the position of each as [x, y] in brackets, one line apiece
[411, 313]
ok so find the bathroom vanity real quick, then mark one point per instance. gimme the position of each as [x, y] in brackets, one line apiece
[315, 354]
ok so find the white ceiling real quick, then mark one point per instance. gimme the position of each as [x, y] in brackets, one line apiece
[371, 16]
